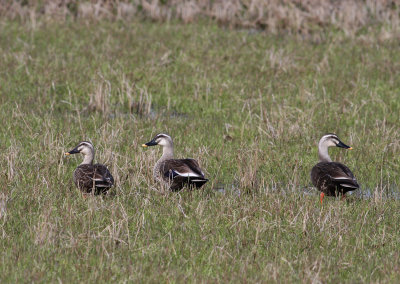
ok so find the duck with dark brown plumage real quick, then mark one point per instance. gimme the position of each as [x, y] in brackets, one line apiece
[175, 173]
[332, 178]
[89, 177]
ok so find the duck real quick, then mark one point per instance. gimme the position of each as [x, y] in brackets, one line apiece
[89, 177]
[175, 173]
[332, 178]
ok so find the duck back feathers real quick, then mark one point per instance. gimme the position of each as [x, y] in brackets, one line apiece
[180, 172]
[333, 178]
[95, 177]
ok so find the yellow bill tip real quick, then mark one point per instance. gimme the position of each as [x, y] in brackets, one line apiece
[351, 148]
[67, 154]
[144, 145]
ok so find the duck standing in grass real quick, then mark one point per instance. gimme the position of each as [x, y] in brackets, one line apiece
[175, 173]
[332, 178]
[88, 177]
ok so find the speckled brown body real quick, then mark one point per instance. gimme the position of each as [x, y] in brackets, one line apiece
[165, 171]
[93, 177]
[324, 177]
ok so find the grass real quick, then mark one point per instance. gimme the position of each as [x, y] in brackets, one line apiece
[250, 107]
[308, 19]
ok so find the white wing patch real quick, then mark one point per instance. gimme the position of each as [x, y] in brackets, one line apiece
[187, 174]
[348, 185]
[341, 178]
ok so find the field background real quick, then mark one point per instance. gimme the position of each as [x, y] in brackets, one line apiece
[250, 102]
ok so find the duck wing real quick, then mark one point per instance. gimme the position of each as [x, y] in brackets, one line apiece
[342, 175]
[102, 176]
[88, 176]
[333, 175]
[182, 171]
[182, 167]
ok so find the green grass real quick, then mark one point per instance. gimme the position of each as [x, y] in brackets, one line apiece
[249, 106]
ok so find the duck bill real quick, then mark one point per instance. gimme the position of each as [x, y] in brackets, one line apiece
[342, 145]
[73, 151]
[151, 143]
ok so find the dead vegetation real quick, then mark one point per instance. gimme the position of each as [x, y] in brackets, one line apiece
[302, 17]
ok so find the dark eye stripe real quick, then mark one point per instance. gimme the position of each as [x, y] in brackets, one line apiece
[87, 144]
[331, 136]
[160, 136]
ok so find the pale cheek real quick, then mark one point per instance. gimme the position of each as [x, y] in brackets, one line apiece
[330, 144]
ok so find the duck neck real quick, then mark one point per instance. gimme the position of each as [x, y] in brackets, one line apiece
[88, 159]
[323, 153]
[168, 152]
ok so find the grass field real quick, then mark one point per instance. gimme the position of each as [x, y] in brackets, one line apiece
[249, 106]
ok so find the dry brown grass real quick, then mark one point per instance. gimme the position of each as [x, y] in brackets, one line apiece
[302, 17]
[99, 99]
